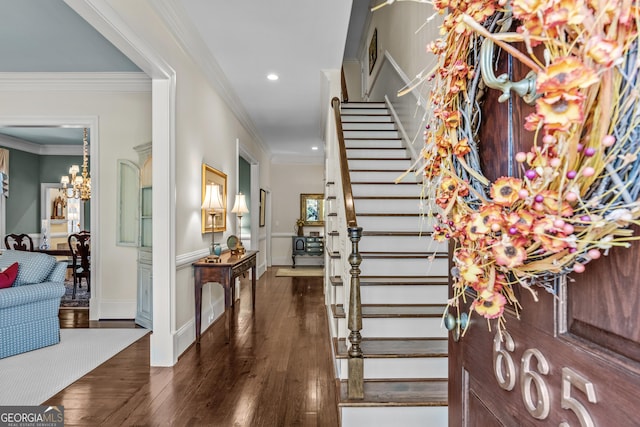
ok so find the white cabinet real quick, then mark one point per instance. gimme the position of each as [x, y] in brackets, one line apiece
[144, 306]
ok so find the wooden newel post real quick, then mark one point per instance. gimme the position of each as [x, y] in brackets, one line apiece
[355, 384]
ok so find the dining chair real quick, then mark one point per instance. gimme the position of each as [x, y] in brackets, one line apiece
[18, 242]
[80, 246]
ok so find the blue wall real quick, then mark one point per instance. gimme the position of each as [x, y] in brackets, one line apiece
[26, 172]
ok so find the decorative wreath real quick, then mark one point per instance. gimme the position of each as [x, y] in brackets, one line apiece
[576, 193]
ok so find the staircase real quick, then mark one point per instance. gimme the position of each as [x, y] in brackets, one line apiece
[403, 283]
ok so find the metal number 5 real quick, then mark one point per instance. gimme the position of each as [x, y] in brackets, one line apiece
[569, 378]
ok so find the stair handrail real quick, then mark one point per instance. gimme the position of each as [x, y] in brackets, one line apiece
[355, 382]
[343, 86]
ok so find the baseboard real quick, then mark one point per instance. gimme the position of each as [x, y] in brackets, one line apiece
[117, 309]
[186, 335]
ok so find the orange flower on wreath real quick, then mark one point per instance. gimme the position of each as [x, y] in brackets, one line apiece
[604, 52]
[470, 271]
[509, 253]
[552, 205]
[562, 102]
[489, 304]
[475, 227]
[504, 191]
[520, 223]
[552, 238]
[461, 148]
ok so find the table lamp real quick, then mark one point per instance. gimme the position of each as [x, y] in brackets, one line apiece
[239, 208]
[213, 202]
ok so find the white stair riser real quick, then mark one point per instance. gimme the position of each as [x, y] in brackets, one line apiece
[393, 327]
[386, 189]
[379, 164]
[382, 176]
[422, 243]
[398, 294]
[393, 416]
[369, 126]
[394, 153]
[391, 223]
[365, 105]
[333, 324]
[387, 205]
[407, 367]
[367, 111]
[350, 118]
[370, 134]
[403, 267]
[409, 294]
[373, 143]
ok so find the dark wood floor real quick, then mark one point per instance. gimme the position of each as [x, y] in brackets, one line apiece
[276, 370]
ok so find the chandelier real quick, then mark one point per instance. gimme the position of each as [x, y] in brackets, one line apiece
[78, 186]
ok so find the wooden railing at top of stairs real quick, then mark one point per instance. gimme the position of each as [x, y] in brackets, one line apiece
[355, 383]
[343, 86]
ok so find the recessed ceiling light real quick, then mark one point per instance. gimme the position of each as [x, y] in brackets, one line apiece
[273, 77]
[314, 148]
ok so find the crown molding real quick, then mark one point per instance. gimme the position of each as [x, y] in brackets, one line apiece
[41, 150]
[75, 82]
[192, 44]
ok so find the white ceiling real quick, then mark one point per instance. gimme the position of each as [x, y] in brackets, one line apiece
[247, 39]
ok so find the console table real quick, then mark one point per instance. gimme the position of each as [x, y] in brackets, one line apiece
[306, 245]
[223, 272]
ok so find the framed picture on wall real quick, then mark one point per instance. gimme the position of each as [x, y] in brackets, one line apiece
[312, 209]
[263, 206]
[219, 218]
[373, 50]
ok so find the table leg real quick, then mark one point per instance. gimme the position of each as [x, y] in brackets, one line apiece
[253, 289]
[198, 298]
[228, 303]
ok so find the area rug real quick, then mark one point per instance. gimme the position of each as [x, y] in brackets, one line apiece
[33, 377]
[82, 296]
[300, 272]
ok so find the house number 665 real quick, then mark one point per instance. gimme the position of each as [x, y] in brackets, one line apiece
[504, 370]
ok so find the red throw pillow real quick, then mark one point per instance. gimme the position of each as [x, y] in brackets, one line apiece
[8, 276]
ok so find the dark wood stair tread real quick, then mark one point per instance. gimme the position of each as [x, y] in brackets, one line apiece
[393, 348]
[439, 255]
[397, 233]
[432, 392]
[389, 214]
[395, 280]
[385, 183]
[417, 197]
[394, 310]
[382, 159]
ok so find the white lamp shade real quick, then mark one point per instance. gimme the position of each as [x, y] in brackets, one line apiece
[240, 205]
[74, 169]
[212, 198]
[64, 180]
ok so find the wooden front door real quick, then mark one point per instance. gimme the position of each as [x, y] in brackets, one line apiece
[572, 359]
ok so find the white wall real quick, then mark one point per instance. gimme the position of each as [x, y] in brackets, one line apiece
[401, 58]
[206, 131]
[124, 121]
[353, 78]
[397, 25]
[288, 181]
